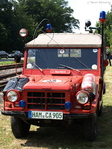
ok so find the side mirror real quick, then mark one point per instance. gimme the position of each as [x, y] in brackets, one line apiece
[105, 63]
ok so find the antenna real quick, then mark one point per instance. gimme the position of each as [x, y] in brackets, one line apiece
[48, 27]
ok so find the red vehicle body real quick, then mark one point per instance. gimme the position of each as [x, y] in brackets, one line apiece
[62, 81]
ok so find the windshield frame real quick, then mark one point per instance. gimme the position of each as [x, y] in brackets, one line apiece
[65, 49]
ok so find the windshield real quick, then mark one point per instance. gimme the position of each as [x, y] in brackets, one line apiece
[61, 58]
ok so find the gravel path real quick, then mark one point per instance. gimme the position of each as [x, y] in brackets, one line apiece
[9, 71]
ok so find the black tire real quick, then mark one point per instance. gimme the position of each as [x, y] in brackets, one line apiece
[100, 111]
[19, 128]
[104, 88]
[90, 128]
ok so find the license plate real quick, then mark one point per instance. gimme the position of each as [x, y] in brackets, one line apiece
[45, 115]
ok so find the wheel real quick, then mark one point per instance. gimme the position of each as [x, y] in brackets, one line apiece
[100, 111]
[104, 88]
[90, 128]
[19, 127]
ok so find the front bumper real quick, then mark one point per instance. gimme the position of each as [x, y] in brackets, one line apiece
[65, 116]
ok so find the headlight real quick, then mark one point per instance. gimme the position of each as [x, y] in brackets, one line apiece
[82, 97]
[12, 96]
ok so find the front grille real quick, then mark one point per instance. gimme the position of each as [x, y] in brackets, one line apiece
[46, 100]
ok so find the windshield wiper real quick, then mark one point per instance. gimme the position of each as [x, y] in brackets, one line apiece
[36, 66]
[69, 67]
[81, 62]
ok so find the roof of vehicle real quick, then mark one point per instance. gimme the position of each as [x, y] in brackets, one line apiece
[66, 40]
[3, 52]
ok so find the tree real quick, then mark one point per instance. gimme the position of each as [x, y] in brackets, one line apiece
[17, 14]
[5, 24]
[108, 29]
[20, 20]
[57, 11]
[13, 18]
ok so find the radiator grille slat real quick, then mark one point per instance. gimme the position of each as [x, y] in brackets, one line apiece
[45, 100]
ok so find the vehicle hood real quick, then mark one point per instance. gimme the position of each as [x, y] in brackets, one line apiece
[52, 82]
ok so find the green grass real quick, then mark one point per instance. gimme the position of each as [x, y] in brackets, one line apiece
[63, 138]
[9, 62]
[6, 62]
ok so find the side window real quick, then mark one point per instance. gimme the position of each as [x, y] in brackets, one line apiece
[31, 59]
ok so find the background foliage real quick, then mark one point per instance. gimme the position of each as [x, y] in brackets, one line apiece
[107, 29]
[15, 15]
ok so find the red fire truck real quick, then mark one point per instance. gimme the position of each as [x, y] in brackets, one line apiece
[62, 81]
